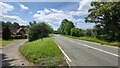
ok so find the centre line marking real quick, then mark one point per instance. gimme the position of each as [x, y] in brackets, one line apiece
[96, 49]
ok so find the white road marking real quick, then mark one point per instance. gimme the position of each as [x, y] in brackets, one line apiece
[64, 54]
[92, 42]
[100, 44]
[97, 49]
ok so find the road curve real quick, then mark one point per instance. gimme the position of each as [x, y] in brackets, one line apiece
[11, 55]
[83, 53]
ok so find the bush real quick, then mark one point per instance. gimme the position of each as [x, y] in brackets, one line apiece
[35, 33]
[25, 37]
[105, 38]
[76, 32]
[18, 37]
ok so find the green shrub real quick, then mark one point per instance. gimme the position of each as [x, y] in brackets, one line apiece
[76, 32]
[35, 33]
[18, 37]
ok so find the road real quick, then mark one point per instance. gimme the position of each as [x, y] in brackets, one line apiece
[11, 55]
[84, 53]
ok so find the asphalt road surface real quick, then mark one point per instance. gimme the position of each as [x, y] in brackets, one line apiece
[84, 53]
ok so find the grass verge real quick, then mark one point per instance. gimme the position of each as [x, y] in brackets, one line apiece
[117, 44]
[43, 52]
[5, 42]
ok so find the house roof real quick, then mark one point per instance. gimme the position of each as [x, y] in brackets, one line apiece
[19, 30]
[15, 29]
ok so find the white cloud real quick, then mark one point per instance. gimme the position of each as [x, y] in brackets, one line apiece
[23, 6]
[5, 8]
[84, 5]
[13, 19]
[75, 13]
[56, 10]
[54, 16]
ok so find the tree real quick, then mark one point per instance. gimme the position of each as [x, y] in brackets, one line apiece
[65, 27]
[32, 23]
[61, 29]
[69, 25]
[7, 24]
[107, 16]
[15, 24]
[39, 30]
[89, 32]
[6, 33]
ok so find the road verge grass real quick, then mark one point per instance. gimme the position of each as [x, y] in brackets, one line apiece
[5, 42]
[117, 44]
[43, 52]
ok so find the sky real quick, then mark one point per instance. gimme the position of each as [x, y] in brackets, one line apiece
[50, 12]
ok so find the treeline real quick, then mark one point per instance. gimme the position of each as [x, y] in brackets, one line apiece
[68, 28]
[106, 16]
[35, 30]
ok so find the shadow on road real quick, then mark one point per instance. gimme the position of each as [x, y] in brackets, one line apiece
[6, 61]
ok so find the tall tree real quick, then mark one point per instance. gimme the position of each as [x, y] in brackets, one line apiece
[107, 16]
[66, 27]
[6, 33]
[69, 25]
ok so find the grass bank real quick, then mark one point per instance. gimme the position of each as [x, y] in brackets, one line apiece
[44, 52]
[95, 40]
[5, 42]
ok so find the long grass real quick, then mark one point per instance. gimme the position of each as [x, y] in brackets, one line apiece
[43, 52]
[96, 40]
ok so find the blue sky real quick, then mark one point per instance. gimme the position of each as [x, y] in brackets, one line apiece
[51, 12]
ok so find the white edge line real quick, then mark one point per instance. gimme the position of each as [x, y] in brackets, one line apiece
[94, 43]
[68, 59]
[97, 49]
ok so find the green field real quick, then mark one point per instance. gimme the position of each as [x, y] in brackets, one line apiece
[43, 52]
[5, 42]
[96, 40]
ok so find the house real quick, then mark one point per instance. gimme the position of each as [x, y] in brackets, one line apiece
[17, 31]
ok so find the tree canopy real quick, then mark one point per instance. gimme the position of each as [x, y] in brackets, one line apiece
[66, 27]
[106, 15]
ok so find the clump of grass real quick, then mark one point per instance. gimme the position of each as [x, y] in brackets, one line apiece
[43, 52]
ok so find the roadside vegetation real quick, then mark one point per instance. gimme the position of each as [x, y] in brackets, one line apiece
[106, 17]
[5, 42]
[102, 42]
[43, 52]
[41, 49]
